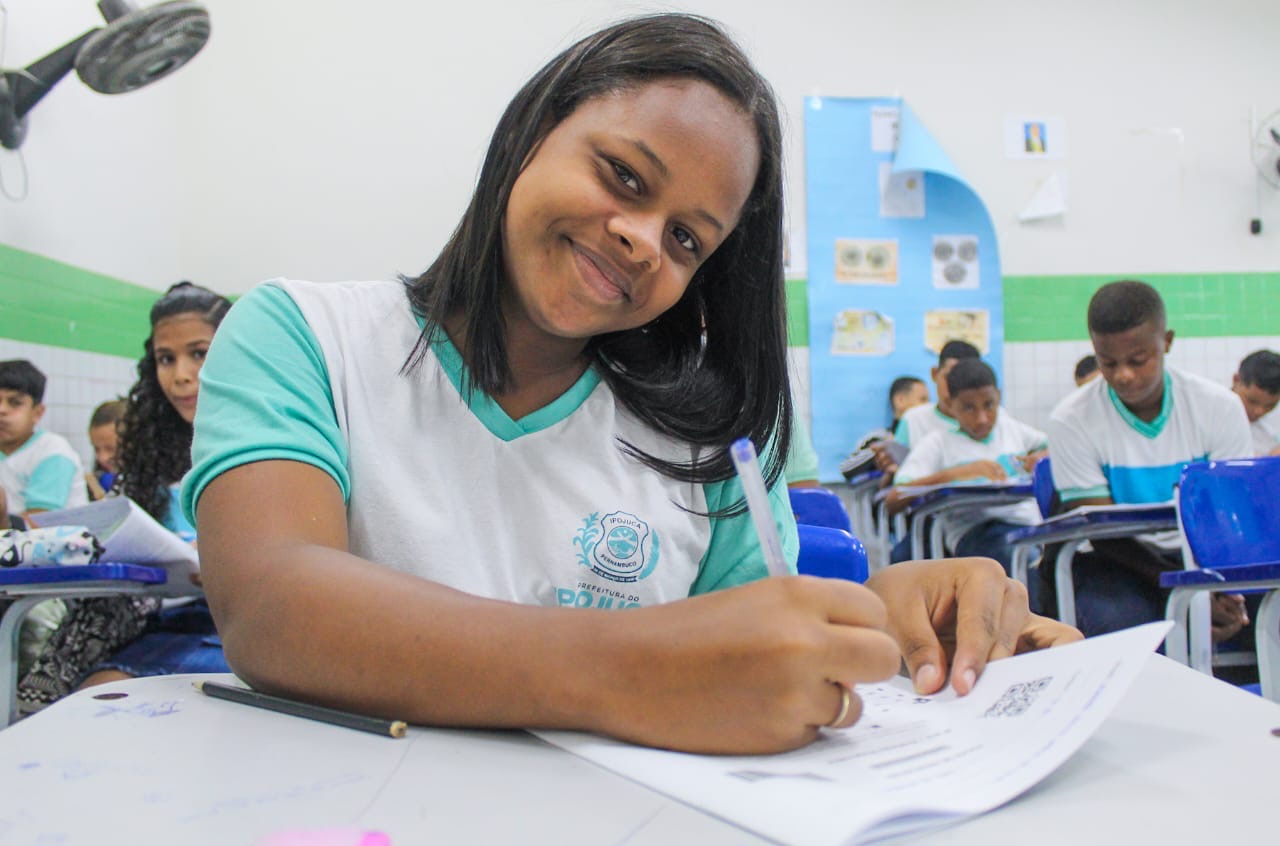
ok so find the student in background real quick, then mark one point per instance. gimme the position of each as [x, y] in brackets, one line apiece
[906, 393]
[923, 420]
[1257, 383]
[39, 471]
[1125, 438]
[104, 436]
[987, 444]
[407, 494]
[112, 638]
[1086, 370]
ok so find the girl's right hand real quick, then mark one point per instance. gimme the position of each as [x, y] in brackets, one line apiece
[751, 669]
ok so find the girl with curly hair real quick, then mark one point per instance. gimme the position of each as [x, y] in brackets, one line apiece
[111, 638]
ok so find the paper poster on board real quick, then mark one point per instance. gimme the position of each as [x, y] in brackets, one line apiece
[862, 332]
[868, 271]
[866, 261]
[901, 193]
[955, 262]
[956, 324]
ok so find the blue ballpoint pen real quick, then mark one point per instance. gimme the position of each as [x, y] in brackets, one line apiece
[744, 457]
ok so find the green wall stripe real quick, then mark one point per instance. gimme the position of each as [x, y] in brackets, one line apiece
[1200, 305]
[798, 312]
[43, 301]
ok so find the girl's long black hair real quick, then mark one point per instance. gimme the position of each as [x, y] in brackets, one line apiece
[155, 442]
[713, 368]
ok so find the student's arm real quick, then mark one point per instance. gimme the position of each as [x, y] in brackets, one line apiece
[1077, 466]
[49, 484]
[747, 669]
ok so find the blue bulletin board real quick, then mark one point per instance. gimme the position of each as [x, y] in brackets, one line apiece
[901, 256]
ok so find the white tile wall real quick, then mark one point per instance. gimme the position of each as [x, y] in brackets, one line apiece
[1039, 374]
[77, 383]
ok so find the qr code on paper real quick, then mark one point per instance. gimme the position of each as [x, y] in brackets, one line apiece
[1017, 698]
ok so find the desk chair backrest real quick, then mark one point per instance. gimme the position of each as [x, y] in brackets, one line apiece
[1230, 511]
[831, 553]
[819, 507]
[1042, 486]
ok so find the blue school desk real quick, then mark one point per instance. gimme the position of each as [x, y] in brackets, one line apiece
[923, 510]
[26, 586]
[1182, 759]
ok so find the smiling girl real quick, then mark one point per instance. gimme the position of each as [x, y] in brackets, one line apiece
[499, 494]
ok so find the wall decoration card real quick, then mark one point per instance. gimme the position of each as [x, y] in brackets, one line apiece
[902, 257]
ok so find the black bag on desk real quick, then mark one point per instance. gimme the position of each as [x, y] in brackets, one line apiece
[863, 459]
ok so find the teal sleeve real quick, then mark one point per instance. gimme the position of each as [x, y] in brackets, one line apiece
[734, 556]
[802, 460]
[264, 395]
[50, 483]
[174, 520]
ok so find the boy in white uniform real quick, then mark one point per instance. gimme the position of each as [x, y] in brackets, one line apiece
[986, 444]
[1125, 438]
[39, 471]
[1257, 383]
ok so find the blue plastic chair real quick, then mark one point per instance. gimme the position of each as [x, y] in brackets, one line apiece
[1229, 514]
[831, 553]
[819, 507]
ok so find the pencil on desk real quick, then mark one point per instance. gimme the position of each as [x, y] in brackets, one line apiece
[245, 696]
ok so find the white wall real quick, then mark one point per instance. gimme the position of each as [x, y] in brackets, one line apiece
[330, 140]
[101, 170]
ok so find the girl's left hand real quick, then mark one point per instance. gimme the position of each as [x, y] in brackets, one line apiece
[952, 616]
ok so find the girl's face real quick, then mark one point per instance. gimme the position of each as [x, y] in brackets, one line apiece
[180, 344]
[106, 441]
[621, 203]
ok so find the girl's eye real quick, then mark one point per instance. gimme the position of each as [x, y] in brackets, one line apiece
[685, 239]
[164, 360]
[199, 355]
[625, 176]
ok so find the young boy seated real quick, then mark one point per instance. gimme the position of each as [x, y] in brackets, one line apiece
[986, 444]
[1086, 370]
[919, 422]
[1125, 438]
[1257, 383]
[39, 470]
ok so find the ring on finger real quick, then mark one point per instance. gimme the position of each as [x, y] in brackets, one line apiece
[846, 701]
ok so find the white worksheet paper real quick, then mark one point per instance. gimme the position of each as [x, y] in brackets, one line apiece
[911, 762]
[130, 535]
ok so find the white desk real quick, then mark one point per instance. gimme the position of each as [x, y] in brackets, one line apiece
[1184, 759]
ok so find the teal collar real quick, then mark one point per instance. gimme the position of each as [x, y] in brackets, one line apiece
[1142, 427]
[487, 410]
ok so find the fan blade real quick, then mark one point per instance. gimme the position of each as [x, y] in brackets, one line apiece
[1275, 136]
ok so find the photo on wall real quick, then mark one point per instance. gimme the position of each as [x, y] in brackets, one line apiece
[955, 262]
[862, 332]
[865, 261]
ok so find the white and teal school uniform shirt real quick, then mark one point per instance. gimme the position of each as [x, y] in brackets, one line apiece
[949, 448]
[440, 482]
[1099, 448]
[922, 421]
[1264, 438]
[43, 474]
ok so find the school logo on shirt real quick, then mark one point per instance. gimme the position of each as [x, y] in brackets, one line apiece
[618, 546]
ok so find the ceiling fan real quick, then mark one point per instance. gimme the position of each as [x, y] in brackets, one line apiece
[135, 48]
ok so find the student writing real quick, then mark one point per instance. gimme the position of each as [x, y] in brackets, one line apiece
[1124, 439]
[482, 497]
